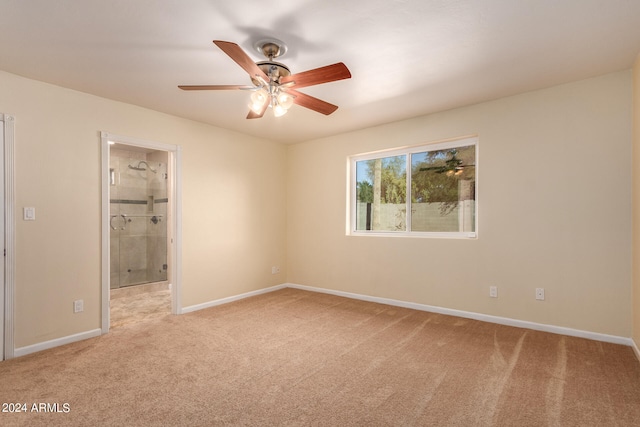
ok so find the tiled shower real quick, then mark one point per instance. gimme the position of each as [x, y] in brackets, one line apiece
[138, 217]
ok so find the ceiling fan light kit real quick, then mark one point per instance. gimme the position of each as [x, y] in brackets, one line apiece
[273, 84]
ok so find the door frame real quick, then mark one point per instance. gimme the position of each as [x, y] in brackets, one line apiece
[174, 230]
[7, 236]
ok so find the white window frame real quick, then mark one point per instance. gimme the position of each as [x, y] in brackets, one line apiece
[407, 151]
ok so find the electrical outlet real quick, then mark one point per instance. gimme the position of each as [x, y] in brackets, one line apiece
[540, 294]
[275, 270]
[493, 291]
[78, 306]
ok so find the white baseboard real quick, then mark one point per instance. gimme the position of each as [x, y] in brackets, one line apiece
[23, 351]
[209, 304]
[477, 316]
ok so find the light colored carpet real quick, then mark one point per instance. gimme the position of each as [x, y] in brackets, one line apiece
[293, 358]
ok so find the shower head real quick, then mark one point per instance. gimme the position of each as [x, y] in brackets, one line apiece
[140, 168]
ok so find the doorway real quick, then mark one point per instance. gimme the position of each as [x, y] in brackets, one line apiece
[141, 232]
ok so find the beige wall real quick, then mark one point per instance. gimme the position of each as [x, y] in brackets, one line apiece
[554, 209]
[636, 202]
[233, 204]
[554, 212]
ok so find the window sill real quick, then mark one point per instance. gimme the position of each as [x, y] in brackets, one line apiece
[415, 234]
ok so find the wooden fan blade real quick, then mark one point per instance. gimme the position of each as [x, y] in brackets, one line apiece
[312, 103]
[253, 115]
[214, 87]
[329, 73]
[236, 53]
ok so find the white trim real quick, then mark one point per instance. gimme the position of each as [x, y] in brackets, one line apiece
[9, 238]
[2, 231]
[23, 351]
[175, 204]
[476, 316]
[635, 349]
[418, 148]
[416, 234]
[614, 339]
[105, 258]
[175, 164]
[397, 303]
[221, 301]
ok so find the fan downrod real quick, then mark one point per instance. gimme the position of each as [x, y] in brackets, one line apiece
[271, 49]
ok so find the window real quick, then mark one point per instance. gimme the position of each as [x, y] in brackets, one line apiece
[427, 191]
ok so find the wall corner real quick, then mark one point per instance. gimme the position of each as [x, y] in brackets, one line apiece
[635, 195]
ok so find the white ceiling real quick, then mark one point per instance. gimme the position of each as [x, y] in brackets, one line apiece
[407, 57]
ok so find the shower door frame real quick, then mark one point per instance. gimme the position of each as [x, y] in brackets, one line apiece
[174, 231]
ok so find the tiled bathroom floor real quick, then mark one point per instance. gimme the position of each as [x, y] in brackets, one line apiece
[139, 304]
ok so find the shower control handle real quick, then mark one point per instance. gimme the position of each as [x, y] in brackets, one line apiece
[124, 223]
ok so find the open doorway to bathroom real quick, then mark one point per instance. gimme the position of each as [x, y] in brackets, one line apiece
[140, 225]
[139, 286]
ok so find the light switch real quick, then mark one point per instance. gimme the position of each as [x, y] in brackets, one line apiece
[29, 214]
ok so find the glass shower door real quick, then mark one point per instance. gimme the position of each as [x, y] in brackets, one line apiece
[138, 213]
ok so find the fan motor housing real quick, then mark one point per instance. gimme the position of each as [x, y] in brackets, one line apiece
[274, 70]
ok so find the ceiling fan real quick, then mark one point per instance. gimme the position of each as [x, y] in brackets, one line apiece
[273, 84]
[452, 166]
